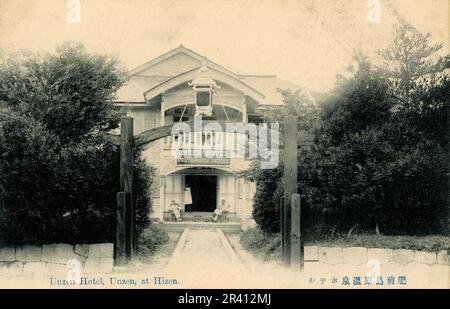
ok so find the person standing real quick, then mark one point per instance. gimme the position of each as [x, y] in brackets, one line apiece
[187, 199]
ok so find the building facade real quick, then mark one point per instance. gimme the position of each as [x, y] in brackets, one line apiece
[175, 87]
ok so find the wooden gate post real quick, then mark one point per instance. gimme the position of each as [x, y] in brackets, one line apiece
[119, 249]
[126, 181]
[297, 259]
[290, 183]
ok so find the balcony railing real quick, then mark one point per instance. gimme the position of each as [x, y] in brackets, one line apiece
[207, 145]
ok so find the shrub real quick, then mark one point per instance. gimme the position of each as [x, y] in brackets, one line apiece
[266, 246]
[266, 202]
[151, 238]
[60, 193]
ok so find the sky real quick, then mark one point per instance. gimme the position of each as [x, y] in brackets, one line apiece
[305, 42]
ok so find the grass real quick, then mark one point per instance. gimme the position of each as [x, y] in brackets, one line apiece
[268, 246]
[264, 246]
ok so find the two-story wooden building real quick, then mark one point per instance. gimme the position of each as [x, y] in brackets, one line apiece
[176, 86]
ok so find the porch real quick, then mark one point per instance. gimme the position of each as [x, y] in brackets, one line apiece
[200, 216]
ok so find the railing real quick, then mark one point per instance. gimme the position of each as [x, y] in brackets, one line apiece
[208, 144]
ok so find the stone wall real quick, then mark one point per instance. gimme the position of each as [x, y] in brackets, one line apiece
[56, 260]
[421, 269]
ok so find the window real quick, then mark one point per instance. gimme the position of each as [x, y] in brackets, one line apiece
[176, 118]
[255, 119]
[203, 98]
[178, 111]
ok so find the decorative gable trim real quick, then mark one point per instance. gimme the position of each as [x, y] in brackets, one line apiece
[230, 80]
[175, 51]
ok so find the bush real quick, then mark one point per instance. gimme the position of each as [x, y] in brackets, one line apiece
[266, 202]
[150, 240]
[62, 193]
[423, 243]
[266, 246]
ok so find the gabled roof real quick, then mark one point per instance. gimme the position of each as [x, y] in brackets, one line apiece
[142, 85]
[175, 51]
[234, 82]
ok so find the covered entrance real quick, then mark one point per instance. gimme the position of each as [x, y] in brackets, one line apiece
[203, 190]
[200, 190]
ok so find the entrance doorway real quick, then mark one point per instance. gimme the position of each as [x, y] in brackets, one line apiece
[203, 191]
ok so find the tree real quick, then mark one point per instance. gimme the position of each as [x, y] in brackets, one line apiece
[69, 92]
[269, 188]
[421, 85]
[358, 102]
[380, 162]
[410, 58]
[384, 145]
[59, 173]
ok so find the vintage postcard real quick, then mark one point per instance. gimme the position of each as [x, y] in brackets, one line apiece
[204, 144]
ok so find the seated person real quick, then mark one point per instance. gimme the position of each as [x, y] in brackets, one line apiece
[221, 211]
[176, 210]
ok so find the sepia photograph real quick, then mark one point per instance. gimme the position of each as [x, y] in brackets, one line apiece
[241, 144]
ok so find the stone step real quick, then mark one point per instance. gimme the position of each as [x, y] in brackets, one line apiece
[180, 226]
[198, 216]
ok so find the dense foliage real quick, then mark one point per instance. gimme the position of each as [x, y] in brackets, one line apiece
[380, 161]
[150, 240]
[59, 175]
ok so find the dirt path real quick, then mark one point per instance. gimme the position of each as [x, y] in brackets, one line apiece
[265, 274]
[206, 258]
[203, 262]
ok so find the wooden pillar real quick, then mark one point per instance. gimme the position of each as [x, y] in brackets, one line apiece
[290, 182]
[297, 250]
[126, 180]
[283, 239]
[120, 252]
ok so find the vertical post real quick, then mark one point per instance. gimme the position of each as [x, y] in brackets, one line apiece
[290, 181]
[283, 244]
[297, 260]
[120, 252]
[126, 180]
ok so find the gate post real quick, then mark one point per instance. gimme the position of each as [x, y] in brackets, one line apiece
[290, 183]
[119, 249]
[126, 181]
[297, 250]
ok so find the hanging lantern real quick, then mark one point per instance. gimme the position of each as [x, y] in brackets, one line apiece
[204, 87]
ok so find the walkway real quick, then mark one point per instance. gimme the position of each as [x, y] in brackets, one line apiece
[203, 259]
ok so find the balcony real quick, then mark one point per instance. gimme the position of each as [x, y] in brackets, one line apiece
[206, 148]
